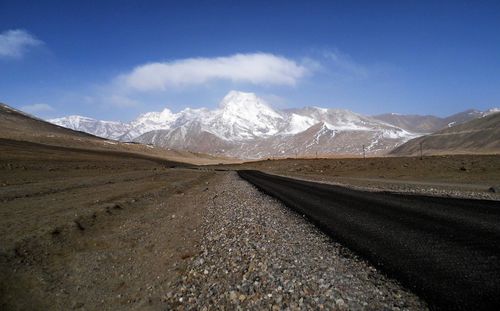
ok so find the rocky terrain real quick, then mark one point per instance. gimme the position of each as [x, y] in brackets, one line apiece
[257, 254]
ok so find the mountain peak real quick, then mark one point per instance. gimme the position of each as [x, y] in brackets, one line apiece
[237, 98]
[246, 105]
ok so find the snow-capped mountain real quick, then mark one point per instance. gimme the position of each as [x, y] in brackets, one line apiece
[106, 129]
[243, 116]
[246, 126]
[293, 138]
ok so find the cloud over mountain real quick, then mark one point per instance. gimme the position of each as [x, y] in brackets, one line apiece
[255, 68]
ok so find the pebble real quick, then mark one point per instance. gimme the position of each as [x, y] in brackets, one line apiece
[258, 254]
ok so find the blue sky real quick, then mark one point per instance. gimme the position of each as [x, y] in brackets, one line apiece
[116, 59]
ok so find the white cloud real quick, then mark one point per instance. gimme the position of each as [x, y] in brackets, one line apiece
[14, 43]
[256, 68]
[37, 108]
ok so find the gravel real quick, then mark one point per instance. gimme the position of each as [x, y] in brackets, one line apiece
[257, 254]
[402, 187]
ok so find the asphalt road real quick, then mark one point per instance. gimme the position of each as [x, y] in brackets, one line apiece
[446, 250]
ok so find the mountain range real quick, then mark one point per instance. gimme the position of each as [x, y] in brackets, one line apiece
[481, 135]
[245, 126]
[430, 124]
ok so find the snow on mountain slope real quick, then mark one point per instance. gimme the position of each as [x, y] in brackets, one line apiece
[189, 137]
[248, 113]
[491, 111]
[297, 123]
[147, 122]
[337, 119]
[106, 129]
[345, 120]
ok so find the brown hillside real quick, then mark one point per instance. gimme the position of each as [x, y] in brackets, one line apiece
[479, 136]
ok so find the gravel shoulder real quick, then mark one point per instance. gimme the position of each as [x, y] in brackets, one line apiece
[257, 254]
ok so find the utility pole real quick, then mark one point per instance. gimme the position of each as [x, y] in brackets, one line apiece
[316, 154]
[364, 152]
[421, 151]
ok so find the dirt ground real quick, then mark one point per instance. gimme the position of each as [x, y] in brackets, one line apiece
[94, 231]
[450, 175]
